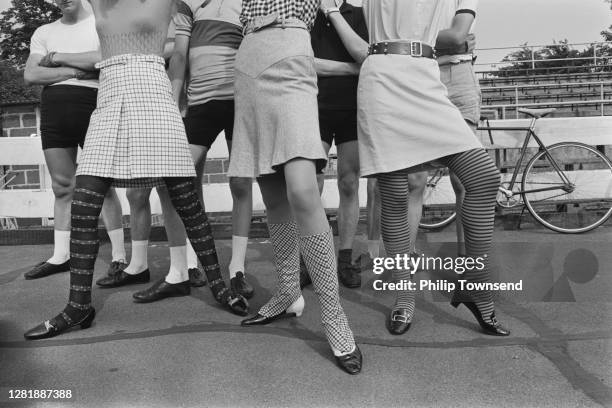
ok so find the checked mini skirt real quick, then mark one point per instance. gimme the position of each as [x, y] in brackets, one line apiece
[136, 134]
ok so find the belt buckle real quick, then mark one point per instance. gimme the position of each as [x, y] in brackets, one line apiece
[416, 49]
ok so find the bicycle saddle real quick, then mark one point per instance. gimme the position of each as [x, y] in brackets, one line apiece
[537, 113]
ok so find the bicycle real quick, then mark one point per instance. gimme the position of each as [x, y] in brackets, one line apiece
[567, 186]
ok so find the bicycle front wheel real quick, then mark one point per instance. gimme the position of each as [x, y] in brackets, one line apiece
[578, 195]
[438, 201]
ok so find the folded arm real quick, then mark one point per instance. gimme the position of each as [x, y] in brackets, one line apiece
[85, 61]
[35, 74]
[456, 39]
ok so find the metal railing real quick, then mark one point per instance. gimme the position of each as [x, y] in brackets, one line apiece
[598, 59]
[601, 101]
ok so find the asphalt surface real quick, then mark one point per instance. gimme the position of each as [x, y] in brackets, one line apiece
[189, 352]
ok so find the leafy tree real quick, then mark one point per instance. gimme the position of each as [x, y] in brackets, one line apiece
[553, 59]
[17, 24]
[12, 86]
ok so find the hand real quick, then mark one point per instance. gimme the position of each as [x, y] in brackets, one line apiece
[47, 61]
[84, 75]
[471, 43]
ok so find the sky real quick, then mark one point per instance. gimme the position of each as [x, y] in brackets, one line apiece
[510, 23]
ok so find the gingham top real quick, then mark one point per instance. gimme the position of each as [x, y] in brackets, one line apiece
[304, 10]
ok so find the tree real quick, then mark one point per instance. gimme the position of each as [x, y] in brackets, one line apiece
[555, 58]
[17, 24]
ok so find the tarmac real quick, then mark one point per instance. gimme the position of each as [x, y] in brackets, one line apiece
[190, 352]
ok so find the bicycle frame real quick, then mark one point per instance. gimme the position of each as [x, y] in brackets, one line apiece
[529, 134]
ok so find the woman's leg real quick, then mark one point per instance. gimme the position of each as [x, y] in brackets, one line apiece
[87, 203]
[184, 198]
[112, 215]
[317, 249]
[284, 236]
[480, 178]
[459, 197]
[395, 228]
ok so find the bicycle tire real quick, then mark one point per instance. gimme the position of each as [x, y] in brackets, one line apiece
[438, 201]
[587, 206]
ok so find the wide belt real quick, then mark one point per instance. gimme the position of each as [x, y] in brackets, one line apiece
[412, 48]
[272, 21]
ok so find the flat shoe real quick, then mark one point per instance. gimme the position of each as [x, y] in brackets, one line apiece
[121, 278]
[399, 321]
[240, 285]
[351, 363]
[44, 269]
[161, 290]
[57, 326]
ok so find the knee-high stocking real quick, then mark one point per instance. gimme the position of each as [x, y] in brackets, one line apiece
[320, 259]
[84, 243]
[480, 178]
[184, 198]
[286, 248]
[395, 229]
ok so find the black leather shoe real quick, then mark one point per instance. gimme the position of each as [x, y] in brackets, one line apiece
[45, 269]
[399, 321]
[348, 275]
[196, 278]
[492, 328]
[295, 310]
[240, 285]
[57, 326]
[121, 278]
[161, 290]
[351, 363]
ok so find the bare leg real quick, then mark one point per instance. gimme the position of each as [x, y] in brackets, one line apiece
[140, 228]
[416, 186]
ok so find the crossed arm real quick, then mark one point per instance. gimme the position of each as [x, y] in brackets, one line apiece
[57, 67]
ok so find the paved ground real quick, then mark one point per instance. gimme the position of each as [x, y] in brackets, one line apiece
[188, 352]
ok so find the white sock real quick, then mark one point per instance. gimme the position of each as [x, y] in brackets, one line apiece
[338, 353]
[374, 248]
[178, 265]
[138, 262]
[239, 247]
[61, 247]
[192, 258]
[117, 244]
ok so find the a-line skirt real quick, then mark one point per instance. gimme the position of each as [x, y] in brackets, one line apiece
[405, 119]
[276, 117]
[136, 134]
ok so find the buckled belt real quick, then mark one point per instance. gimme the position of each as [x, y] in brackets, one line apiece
[412, 48]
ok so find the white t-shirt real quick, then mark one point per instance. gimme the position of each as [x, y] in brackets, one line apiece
[420, 20]
[68, 38]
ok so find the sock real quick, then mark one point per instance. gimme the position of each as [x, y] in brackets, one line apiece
[61, 247]
[239, 247]
[117, 244]
[178, 265]
[138, 261]
[373, 248]
[85, 211]
[192, 258]
[395, 230]
[319, 257]
[345, 256]
[286, 251]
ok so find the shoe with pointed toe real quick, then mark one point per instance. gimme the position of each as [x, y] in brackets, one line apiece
[58, 325]
[399, 321]
[122, 278]
[351, 362]
[492, 328]
[295, 310]
[162, 290]
[44, 269]
[240, 285]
